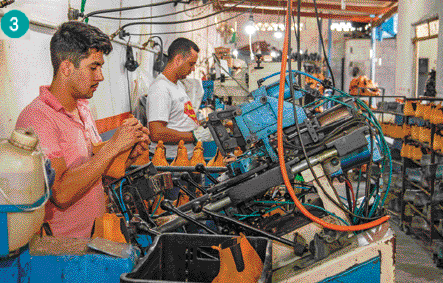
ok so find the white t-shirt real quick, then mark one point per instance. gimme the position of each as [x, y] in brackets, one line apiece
[168, 102]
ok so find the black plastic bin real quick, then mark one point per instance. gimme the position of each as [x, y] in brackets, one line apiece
[175, 257]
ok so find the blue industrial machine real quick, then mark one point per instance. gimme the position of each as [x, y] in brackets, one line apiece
[331, 143]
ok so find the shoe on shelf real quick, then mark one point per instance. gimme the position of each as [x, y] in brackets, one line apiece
[428, 112]
[409, 109]
[406, 130]
[438, 119]
[415, 132]
[437, 145]
[417, 153]
[419, 111]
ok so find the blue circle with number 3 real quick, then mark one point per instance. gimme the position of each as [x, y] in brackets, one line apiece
[15, 24]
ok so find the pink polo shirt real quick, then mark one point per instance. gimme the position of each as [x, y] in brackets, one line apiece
[63, 135]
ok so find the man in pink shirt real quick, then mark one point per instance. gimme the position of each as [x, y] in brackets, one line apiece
[67, 131]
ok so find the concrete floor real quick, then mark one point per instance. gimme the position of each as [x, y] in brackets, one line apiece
[414, 259]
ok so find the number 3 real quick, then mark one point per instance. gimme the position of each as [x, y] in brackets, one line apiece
[14, 24]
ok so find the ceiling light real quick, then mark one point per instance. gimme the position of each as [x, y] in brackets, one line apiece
[273, 54]
[235, 53]
[278, 33]
[250, 28]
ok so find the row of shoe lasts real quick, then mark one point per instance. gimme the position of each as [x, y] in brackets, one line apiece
[429, 112]
[159, 158]
[422, 134]
[395, 131]
[418, 133]
[411, 151]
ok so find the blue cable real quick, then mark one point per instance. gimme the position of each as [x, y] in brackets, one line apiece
[125, 214]
[303, 188]
[156, 207]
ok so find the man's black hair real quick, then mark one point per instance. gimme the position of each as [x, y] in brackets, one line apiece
[181, 46]
[74, 40]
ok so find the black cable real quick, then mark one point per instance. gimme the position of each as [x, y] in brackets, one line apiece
[291, 88]
[186, 31]
[126, 8]
[369, 172]
[129, 87]
[183, 21]
[298, 41]
[129, 91]
[323, 46]
[160, 39]
[6, 3]
[152, 17]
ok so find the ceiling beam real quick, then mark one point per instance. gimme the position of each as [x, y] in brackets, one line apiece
[386, 16]
[320, 6]
[347, 17]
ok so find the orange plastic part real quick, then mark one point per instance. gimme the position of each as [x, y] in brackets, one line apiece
[281, 151]
[118, 166]
[108, 227]
[159, 158]
[197, 155]
[217, 160]
[182, 156]
[248, 272]
[142, 159]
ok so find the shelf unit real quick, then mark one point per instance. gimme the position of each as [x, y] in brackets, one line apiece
[430, 218]
[398, 119]
[432, 212]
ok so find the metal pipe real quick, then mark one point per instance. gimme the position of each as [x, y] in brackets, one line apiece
[313, 160]
[329, 44]
[54, 27]
[189, 169]
[177, 223]
[258, 231]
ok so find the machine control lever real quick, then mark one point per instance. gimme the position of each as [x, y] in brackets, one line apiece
[167, 206]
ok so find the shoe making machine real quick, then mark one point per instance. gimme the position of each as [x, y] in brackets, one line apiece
[290, 187]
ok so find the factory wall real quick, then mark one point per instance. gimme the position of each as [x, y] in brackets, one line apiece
[358, 55]
[25, 64]
[207, 39]
[411, 11]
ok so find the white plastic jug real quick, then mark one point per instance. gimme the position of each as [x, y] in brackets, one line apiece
[22, 182]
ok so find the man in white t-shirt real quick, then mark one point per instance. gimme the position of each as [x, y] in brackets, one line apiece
[170, 114]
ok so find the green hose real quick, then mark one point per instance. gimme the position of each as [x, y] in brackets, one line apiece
[82, 9]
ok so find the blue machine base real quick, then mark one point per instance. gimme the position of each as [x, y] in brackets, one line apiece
[368, 272]
[64, 268]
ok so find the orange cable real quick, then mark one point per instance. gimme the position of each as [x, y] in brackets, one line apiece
[280, 149]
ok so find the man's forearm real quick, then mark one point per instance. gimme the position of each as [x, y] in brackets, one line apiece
[77, 181]
[170, 136]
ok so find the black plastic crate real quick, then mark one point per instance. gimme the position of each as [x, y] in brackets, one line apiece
[175, 257]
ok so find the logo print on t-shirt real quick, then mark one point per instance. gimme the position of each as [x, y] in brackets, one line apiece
[189, 110]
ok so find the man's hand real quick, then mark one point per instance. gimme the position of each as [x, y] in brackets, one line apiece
[128, 134]
[141, 146]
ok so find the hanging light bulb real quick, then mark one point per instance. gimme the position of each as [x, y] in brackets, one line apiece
[250, 27]
[278, 33]
[235, 53]
[273, 54]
